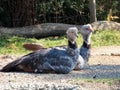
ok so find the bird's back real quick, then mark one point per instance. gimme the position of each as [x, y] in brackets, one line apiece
[45, 60]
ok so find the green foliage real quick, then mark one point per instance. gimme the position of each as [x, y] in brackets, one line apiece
[61, 11]
[103, 7]
[12, 13]
[106, 38]
[13, 45]
[3, 17]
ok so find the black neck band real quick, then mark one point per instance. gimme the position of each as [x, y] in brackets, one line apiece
[86, 45]
[71, 45]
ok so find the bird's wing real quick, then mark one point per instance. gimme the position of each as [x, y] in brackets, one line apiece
[26, 63]
[60, 64]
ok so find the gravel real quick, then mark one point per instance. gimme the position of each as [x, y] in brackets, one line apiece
[104, 63]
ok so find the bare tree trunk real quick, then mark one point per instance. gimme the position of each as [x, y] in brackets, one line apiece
[92, 11]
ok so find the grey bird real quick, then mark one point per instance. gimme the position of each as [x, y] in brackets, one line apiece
[49, 60]
[85, 50]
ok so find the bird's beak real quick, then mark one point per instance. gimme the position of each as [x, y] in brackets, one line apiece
[91, 29]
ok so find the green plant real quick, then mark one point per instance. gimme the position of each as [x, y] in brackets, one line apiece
[106, 38]
[13, 45]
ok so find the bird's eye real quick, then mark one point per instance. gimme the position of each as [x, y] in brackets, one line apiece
[87, 28]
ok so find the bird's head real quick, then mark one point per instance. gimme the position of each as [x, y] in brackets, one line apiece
[86, 31]
[72, 34]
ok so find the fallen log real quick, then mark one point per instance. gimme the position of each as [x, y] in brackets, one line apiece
[106, 25]
[37, 31]
[53, 29]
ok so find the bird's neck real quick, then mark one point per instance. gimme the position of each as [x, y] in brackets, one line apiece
[87, 38]
[72, 45]
[86, 45]
[87, 42]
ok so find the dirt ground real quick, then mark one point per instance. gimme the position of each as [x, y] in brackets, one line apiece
[104, 63]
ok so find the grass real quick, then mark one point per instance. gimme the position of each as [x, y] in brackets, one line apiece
[13, 45]
[110, 81]
[106, 38]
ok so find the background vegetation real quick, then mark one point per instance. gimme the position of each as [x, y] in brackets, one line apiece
[13, 45]
[17, 13]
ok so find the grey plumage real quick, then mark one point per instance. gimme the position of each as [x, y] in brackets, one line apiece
[85, 50]
[85, 53]
[58, 60]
